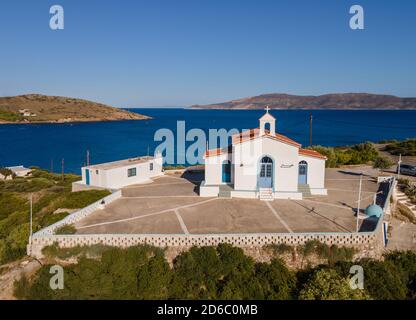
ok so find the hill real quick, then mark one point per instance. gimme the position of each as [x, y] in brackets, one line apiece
[353, 101]
[36, 108]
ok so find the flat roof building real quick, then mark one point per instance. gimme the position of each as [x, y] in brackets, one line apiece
[20, 171]
[121, 173]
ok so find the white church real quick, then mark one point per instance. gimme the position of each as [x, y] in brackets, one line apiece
[262, 164]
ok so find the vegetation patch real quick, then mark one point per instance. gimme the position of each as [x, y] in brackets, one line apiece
[66, 229]
[221, 272]
[10, 116]
[94, 251]
[314, 249]
[405, 148]
[49, 191]
[403, 213]
[409, 189]
[362, 153]
[382, 163]
[82, 199]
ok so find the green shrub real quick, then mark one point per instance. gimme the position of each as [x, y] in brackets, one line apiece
[406, 262]
[10, 116]
[48, 219]
[405, 148]
[277, 282]
[119, 274]
[382, 163]
[329, 285]
[279, 249]
[82, 199]
[11, 202]
[383, 280]
[358, 154]
[66, 229]
[332, 254]
[27, 184]
[6, 172]
[94, 251]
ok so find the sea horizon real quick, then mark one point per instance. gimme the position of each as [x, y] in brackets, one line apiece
[42, 144]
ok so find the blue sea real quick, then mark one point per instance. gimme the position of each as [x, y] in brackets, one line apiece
[44, 145]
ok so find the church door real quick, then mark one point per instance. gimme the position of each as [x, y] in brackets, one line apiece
[87, 177]
[226, 172]
[303, 172]
[266, 173]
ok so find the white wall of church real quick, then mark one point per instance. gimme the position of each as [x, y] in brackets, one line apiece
[213, 169]
[247, 155]
[316, 174]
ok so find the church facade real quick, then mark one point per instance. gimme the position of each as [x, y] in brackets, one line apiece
[262, 164]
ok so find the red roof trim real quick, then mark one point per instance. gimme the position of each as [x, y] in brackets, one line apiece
[219, 151]
[254, 133]
[311, 153]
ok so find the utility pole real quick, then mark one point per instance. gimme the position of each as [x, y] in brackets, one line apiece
[63, 167]
[31, 221]
[51, 165]
[88, 158]
[310, 129]
[359, 199]
[398, 166]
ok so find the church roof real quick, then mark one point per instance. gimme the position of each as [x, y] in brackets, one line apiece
[311, 153]
[267, 116]
[255, 133]
[219, 151]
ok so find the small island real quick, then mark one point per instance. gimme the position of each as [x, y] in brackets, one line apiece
[334, 101]
[37, 108]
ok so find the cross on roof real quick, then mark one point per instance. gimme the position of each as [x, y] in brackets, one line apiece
[267, 109]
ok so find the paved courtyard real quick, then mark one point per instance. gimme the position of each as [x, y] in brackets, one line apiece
[171, 205]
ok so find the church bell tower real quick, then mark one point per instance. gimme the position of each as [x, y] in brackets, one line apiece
[267, 120]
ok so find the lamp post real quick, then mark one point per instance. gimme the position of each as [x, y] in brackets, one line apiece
[31, 221]
[359, 200]
[398, 166]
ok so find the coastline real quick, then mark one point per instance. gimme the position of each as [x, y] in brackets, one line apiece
[312, 109]
[70, 122]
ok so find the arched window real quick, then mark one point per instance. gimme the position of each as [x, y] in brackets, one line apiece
[267, 126]
[266, 160]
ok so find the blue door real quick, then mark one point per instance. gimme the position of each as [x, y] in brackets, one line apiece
[87, 177]
[226, 172]
[266, 173]
[303, 172]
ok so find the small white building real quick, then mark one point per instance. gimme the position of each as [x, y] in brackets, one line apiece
[260, 163]
[20, 171]
[118, 174]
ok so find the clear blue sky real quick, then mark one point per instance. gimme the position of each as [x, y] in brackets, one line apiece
[183, 52]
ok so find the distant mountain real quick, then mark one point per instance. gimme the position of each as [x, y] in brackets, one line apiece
[36, 108]
[353, 101]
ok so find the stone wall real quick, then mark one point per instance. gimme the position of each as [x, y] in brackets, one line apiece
[240, 240]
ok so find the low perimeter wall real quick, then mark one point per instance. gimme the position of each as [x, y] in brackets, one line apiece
[372, 241]
[362, 240]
